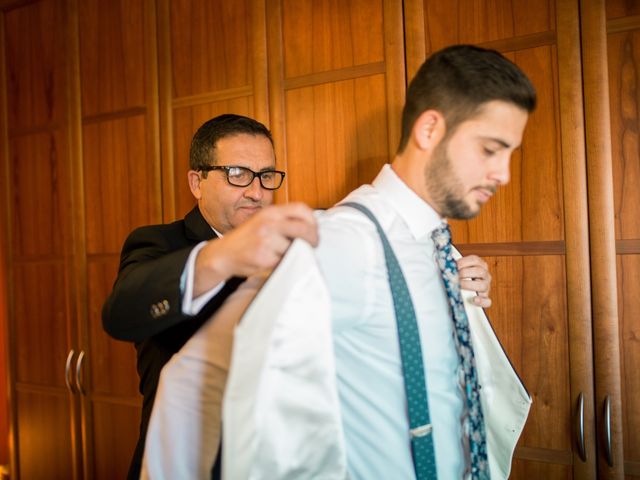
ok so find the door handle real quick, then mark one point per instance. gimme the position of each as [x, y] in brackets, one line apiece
[607, 430]
[79, 373]
[67, 371]
[580, 428]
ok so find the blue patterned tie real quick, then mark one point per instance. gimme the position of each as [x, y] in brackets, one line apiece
[420, 430]
[474, 420]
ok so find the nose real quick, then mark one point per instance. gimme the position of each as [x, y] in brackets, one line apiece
[254, 190]
[500, 172]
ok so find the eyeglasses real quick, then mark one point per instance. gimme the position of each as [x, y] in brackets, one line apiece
[242, 176]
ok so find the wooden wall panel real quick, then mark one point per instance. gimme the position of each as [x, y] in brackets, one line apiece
[119, 175]
[622, 8]
[479, 21]
[538, 470]
[624, 75]
[210, 46]
[629, 311]
[115, 434]
[39, 194]
[44, 436]
[112, 55]
[530, 207]
[107, 354]
[331, 34]
[186, 121]
[41, 314]
[336, 139]
[529, 316]
[35, 65]
[336, 87]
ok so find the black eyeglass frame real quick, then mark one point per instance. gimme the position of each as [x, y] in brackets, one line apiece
[226, 169]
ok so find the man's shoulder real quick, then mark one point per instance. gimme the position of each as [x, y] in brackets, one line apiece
[351, 219]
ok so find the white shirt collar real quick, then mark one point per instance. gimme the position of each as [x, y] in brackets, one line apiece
[419, 216]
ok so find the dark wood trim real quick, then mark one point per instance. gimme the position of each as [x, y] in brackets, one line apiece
[165, 110]
[211, 97]
[6, 5]
[395, 71]
[34, 130]
[522, 42]
[558, 457]
[632, 469]
[601, 230]
[415, 37]
[576, 225]
[116, 115]
[339, 75]
[81, 428]
[623, 24]
[258, 22]
[275, 69]
[113, 400]
[6, 215]
[628, 247]
[153, 109]
[513, 248]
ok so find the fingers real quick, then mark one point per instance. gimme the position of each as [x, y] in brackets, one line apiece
[475, 276]
[482, 301]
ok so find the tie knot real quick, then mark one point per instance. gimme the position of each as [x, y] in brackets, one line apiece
[442, 236]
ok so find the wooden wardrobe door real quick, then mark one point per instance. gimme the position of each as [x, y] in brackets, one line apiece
[38, 186]
[212, 60]
[121, 190]
[623, 42]
[534, 232]
[336, 86]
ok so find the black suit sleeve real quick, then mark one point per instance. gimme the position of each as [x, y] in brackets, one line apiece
[146, 297]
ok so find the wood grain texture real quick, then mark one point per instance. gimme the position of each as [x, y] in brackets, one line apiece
[35, 64]
[572, 134]
[624, 73]
[336, 138]
[530, 318]
[115, 434]
[321, 35]
[547, 471]
[39, 195]
[602, 230]
[44, 436]
[480, 21]
[112, 55]
[186, 121]
[530, 207]
[210, 42]
[629, 314]
[112, 362]
[119, 182]
[41, 313]
[621, 8]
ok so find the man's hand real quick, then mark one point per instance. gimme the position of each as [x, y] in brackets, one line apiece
[256, 245]
[475, 276]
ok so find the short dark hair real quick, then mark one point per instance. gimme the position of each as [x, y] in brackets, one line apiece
[203, 144]
[458, 80]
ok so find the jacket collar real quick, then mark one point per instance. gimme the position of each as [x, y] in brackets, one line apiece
[197, 227]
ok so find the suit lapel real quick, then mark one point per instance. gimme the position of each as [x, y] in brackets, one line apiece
[196, 227]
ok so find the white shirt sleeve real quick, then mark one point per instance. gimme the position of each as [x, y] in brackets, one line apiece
[190, 305]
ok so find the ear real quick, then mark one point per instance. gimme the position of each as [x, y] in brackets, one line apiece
[194, 183]
[429, 129]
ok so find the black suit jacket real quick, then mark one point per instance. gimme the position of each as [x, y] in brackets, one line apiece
[145, 304]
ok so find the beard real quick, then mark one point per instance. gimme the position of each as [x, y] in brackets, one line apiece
[445, 188]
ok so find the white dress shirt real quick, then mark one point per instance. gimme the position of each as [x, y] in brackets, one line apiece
[369, 369]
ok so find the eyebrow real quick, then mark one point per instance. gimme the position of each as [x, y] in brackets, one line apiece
[497, 140]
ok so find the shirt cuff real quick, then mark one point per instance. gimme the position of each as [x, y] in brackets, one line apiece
[190, 305]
